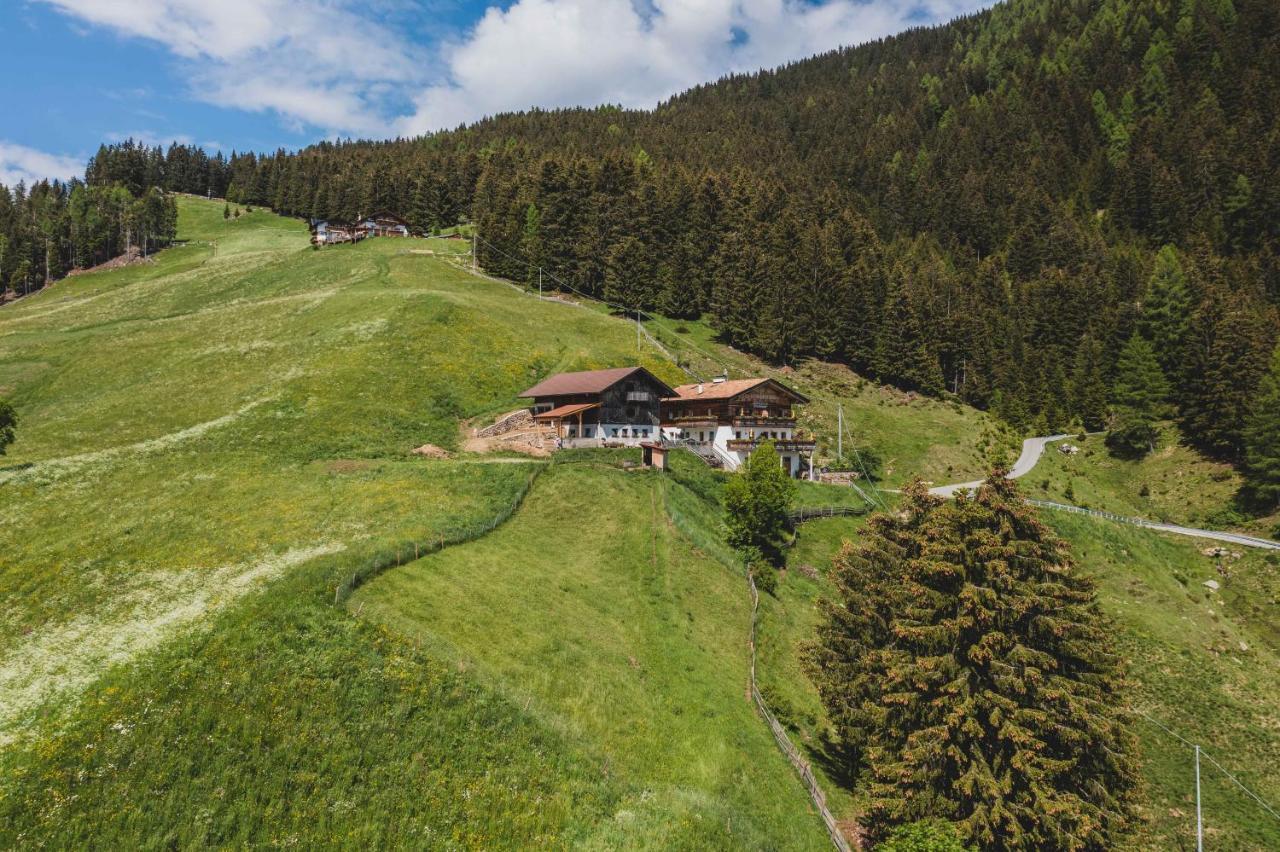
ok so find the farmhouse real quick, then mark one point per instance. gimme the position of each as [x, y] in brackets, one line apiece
[382, 224]
[724, 420]
[327, 232]
[600, 407]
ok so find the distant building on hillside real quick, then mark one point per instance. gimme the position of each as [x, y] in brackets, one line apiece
[327, 232]
[382, 224]
[725, 420]
[600, 407]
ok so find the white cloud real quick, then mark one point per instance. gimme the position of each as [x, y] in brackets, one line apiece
[551, 53]
[344, 67]
[20, 163]
[323, 63]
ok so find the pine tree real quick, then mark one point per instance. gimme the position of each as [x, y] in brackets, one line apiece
[226, 211]
[1231, 341]
[1088, 386]
[965, 665]
[1139, 400]
[1262, 441]
[902, 353]
[1166, 313]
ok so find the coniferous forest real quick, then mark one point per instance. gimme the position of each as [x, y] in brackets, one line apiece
[992, 208]
[51, 228]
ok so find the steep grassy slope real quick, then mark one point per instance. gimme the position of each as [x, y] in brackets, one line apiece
[209, 445]
[591, 611]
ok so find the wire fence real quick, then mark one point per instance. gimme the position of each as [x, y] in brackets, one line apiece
[1213, 535]
[404, 553]
[1204, 754]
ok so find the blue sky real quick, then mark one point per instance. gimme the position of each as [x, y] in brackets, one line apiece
[261, 74]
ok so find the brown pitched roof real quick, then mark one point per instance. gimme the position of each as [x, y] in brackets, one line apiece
[588, 381]
[728, 389]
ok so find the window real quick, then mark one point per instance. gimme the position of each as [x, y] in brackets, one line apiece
[614, 432]
[644, 433]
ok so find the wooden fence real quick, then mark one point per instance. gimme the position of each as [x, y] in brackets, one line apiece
[784, 742]
[799, 516]
[408, 552]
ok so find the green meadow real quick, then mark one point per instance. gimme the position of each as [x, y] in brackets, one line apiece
[214, 443]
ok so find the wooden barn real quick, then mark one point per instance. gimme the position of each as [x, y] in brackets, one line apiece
[600, 407]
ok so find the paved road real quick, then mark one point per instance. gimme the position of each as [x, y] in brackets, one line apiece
[1032, 450]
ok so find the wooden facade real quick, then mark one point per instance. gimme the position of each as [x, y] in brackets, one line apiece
[726, 420]
[601, 407]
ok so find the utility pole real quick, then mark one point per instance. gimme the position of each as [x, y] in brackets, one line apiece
[539, 283]
[637, 329]
[1199, 821]
[475, 234]
[840, 432]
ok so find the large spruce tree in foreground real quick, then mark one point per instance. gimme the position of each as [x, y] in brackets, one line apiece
[966, 669]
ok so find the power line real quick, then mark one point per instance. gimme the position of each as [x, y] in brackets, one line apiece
[1211, 759]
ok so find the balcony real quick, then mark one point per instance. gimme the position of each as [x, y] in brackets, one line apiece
[639, 396]
[782, 445]
[766, 422]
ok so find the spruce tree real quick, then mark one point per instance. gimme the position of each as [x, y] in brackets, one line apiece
[966, 669]
[902, 355]
[1088, 386]
[1139, 400]
[1231, 342]
[1166, 313]
[1262, 441]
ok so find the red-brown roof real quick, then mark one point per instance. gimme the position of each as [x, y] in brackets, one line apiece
[564, 411]
[588, 381]
[728, 389]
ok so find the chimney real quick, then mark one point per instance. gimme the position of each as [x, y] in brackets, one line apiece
[720, 378]
[699, 387]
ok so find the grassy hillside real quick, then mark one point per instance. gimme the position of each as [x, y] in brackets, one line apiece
[1188, 666]
[209, 445]
[618, 633]
[1175, 484]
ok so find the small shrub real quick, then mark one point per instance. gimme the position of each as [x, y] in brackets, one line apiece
[682, 329]
[1070, 491]
[766, 577]
[1145, 490]
[927, 835]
